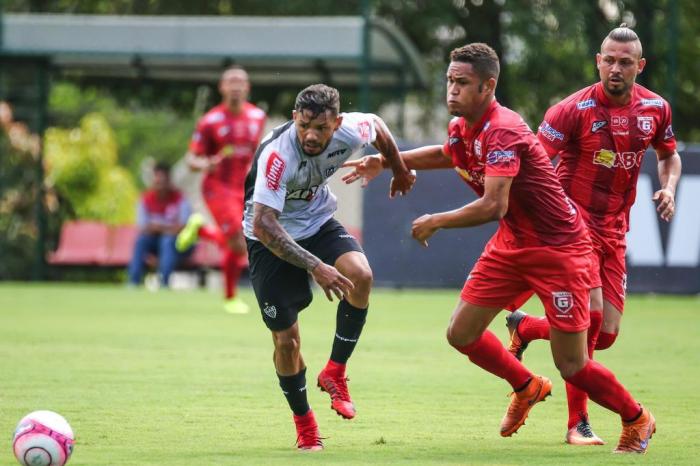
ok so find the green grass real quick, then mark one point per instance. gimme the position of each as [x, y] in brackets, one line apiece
[169, 379]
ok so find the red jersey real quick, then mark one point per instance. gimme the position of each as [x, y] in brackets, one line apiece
[220, 132]
[601, 146]
[501, 144]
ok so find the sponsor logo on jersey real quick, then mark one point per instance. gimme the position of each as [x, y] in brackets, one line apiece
[563, 301]
[453, 140]
[598, 125]
[487, 125]
[610, 159]
[550, 133]
[645, 124]
[584, 104]
[336, 153]
[471, 176]
[668, 134]
[652, 102]
[363, 130]
[329, 171]
[619, 121]
[270, 311]
[274, 171]
[302, 194]
[214, 117]
[223, 130]
[477, 147]
[498, 156]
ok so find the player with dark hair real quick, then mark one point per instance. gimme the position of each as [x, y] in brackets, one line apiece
[291, 234]
[600, 135]
[541, 244]
[222, 146]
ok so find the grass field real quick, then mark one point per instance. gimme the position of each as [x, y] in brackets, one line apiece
[169, 379]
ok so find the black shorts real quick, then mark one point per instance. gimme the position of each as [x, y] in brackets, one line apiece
[282, 289]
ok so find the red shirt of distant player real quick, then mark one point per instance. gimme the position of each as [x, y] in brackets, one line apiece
[542, 243]
[220, 132]
[501, 144]
[601, 146]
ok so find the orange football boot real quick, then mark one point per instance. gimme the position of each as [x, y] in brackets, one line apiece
[636, 434]
[522, 402]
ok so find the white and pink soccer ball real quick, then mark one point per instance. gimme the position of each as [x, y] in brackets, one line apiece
[43, 438]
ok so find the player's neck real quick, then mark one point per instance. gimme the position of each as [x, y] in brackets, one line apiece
[476, 117]
[618, 100]
[234, 107]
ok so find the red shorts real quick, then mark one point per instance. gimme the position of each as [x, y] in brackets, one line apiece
[226, 206]
[559, 275]
[609, 260]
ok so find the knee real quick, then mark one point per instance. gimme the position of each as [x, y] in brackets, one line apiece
[287, 345]
[568, 367]
[460, 338]
[606, 339]
[362, 278]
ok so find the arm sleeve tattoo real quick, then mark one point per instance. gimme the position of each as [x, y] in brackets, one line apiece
[276, 239]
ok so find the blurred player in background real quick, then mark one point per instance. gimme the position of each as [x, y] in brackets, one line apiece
[291, 234]
[222, 146]
[541, 244]
[161, 214]
[600, 135]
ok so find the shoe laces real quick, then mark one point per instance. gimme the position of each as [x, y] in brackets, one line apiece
[338, 388]
[584, 428]
[307, 435]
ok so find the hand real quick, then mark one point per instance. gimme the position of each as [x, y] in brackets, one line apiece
[423, 228]
[666, 203]
[212, 162]
[366, 168]
[332, 281]
[403, 184]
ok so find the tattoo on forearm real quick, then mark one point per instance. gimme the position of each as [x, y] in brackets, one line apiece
[277, 240]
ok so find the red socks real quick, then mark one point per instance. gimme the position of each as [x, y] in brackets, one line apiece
[577, 399]
[605, 340]
[603, 388]
[488, 353]
[533, 328]
[231, 268]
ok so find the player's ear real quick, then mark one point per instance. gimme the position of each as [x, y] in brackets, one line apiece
[338, 122]
[641, 65]
[294, 115]
[598, 60]
[490, 85]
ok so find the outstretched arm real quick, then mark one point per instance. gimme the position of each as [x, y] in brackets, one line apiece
[493, 205]
[403, 179]
[422, 158]
[268, 230]
[669, 167]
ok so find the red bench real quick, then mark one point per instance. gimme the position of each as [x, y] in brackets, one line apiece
[89, 243]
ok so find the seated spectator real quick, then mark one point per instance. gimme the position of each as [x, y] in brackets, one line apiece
[162, 212]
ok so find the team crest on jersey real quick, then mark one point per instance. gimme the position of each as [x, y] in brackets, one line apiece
[363, 129]
[645, 124]
[329, 171]
[584, 104]
[598, 125]
[274, 171]
[563, 301]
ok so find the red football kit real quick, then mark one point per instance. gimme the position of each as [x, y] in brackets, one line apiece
[220, 132]
[542, 243]
[600, 147]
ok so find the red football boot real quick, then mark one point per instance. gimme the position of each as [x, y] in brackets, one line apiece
[333, 381]
[308, 437]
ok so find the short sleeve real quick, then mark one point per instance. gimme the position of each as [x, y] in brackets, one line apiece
[362, 126]
[453, 137]
[503, 149]
[200, 144]
[664, 140]
[556, 130]
[271, 180]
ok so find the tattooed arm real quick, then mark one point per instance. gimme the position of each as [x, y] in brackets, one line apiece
[268, 230]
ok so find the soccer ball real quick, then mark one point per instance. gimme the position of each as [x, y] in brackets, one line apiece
[43, 438]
